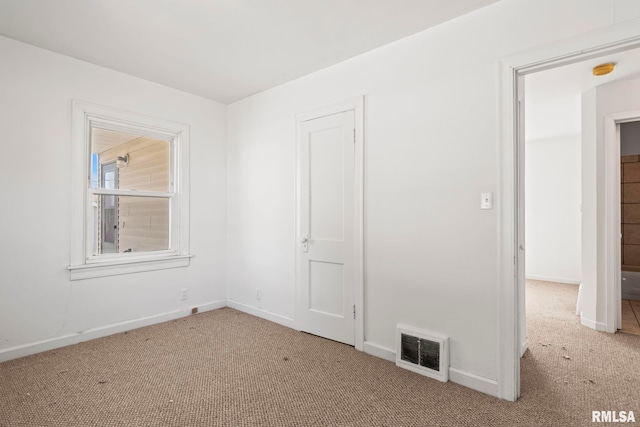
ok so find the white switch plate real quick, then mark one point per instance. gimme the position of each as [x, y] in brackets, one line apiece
[486, 200]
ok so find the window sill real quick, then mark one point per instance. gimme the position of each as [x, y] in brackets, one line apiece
[91, 271]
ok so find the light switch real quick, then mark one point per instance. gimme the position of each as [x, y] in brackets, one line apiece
[486, 200]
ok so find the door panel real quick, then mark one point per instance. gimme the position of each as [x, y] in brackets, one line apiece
[327, 226]
[326, 211]
[326, 287]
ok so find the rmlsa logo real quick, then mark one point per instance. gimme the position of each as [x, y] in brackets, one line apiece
[613, 417]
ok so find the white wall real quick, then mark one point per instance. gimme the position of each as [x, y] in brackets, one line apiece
[589, 234]
[430, 149]
[553, 195]
[38, 302]
[616, 97]
[552, 169]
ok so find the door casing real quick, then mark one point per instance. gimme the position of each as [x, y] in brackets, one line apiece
[613, 216]
[610, 40]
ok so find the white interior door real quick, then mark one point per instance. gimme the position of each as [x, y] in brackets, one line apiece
[327, 218]
[521, 267]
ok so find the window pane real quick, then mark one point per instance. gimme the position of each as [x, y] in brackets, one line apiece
[130, 224]
[142, 163]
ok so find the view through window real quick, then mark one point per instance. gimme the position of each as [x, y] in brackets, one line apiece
[131, 192]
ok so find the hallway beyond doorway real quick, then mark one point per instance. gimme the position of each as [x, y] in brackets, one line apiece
[630, 316]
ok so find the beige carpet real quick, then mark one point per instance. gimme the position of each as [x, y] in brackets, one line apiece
[230, 369]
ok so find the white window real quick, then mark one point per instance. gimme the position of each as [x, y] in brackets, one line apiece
[130, 193]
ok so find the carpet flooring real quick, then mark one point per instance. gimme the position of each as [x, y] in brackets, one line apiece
[227, 368]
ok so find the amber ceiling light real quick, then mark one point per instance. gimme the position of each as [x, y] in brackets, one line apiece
[603, 69]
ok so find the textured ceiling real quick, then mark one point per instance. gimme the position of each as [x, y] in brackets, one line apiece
[223, 50]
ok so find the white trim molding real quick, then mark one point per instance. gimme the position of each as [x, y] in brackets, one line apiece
[91, 271]
[103, 331]
[598, 326]
[380, 351]
[83, 263]
[614, 38]
[612, 225]
[263, 314]
[466, 379]
[554, 279]
[474, 382]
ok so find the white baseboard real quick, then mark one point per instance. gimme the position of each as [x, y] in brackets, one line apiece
[258, 312]
[466, 379]
[631, 295]
[211, 306]
[598, 326]
[103, 331]
[379, 351]
[474, 382]
[553, 279]
[579, 301]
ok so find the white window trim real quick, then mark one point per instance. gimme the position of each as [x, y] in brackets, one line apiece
[82, 264]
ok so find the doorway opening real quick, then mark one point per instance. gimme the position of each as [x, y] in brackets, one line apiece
[600, 244]
[564, 131]
[552, 169]
[628, 134]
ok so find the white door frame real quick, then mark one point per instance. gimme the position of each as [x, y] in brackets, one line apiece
[357, 105]
[613, 286]
[612, 39]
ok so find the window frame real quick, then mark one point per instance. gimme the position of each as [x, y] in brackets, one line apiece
[83, 263]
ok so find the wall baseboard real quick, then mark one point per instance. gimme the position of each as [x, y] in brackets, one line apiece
[264, 314]
[631, 295]
[210, 306]
[475, 382]
[598, 326]
[103, 331]
[579, 301]
[483, 385]
[379, 351]
[553, 279]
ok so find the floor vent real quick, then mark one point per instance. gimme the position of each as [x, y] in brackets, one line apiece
[422, 352]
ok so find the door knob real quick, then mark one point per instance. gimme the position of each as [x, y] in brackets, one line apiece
[521, 247]
[304, 239]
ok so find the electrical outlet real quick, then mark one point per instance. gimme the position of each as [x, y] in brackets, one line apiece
[259, 295]
[184, 294]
